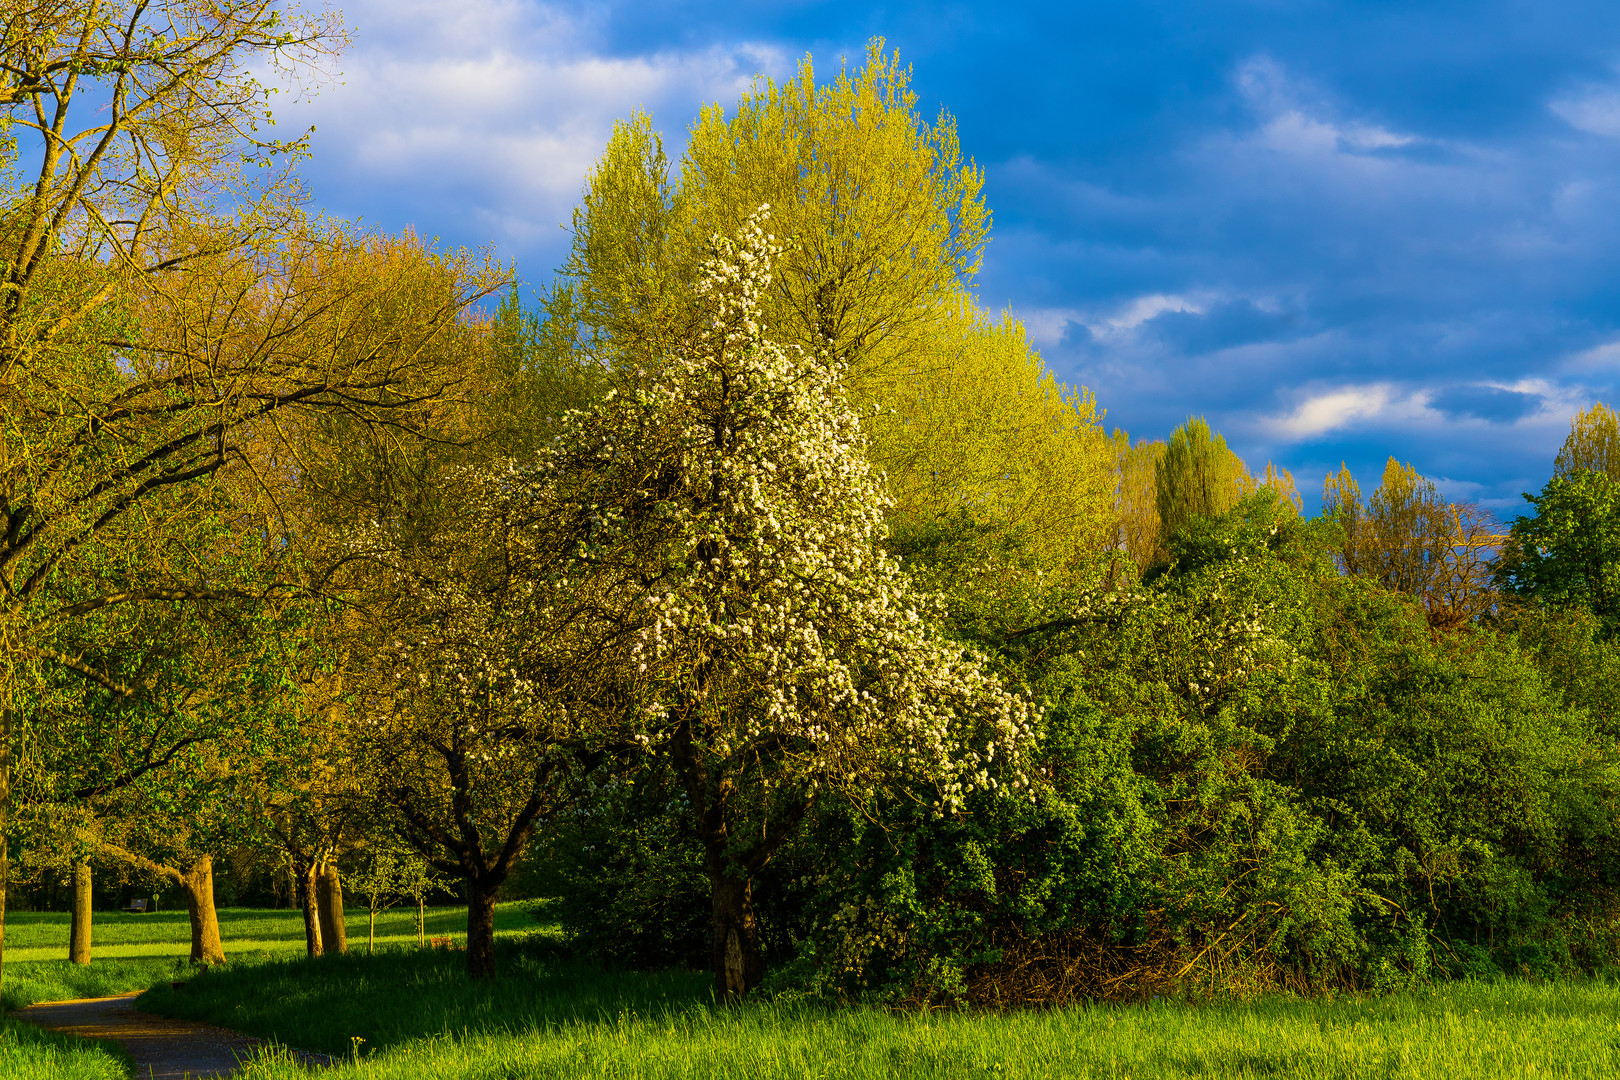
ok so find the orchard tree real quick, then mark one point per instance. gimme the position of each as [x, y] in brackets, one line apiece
[720, 538]
[465, 725]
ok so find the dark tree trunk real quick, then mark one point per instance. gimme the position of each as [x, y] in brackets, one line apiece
[79, 929]
[329, 894]
[198, 883]
[312, 920]
[738, 967]
[480, 929]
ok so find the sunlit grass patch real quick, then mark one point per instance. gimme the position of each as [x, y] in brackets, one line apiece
[410, 1015]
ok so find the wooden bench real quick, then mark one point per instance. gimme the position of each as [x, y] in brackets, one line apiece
[442, 943]
[137, 907]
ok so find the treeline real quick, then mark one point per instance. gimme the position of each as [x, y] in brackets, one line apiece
[754, 596]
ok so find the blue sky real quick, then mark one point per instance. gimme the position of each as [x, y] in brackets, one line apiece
[1340, 231]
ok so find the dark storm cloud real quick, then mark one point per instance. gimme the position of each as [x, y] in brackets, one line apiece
[1488, 403]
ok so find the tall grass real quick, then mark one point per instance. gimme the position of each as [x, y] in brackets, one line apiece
[405, 1014]
[28, 1053]
[408, 1015]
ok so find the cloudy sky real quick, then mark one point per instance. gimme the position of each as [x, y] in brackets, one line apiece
[1340, 231]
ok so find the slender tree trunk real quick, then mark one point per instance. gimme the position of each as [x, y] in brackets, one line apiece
[738, 967]
[480, 929]
[79, 931]
[421, 923]
[329, 894]
[312, 920]
[198, 883]
[371, 933]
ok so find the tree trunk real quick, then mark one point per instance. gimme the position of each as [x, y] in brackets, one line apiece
[198, 883]
[421, 923]
[480, 931]
[312, 920]
[329, 894]
[738, 967]
[79, 930]
[371, 933]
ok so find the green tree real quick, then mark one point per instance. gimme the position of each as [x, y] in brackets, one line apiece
[1593, 444]
[722, 565]
[882, 224]
[163, 304]
[1196, 476]
[1566, 554]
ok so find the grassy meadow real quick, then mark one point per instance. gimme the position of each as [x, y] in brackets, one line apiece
[408, 1014]
[117, 935]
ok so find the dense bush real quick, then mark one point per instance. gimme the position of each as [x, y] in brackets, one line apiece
[1252, 771]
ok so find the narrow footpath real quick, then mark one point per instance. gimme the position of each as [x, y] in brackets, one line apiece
[163, 1049]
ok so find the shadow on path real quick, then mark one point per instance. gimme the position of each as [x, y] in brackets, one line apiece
[162, 1049]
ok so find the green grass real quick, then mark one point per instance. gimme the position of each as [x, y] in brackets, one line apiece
[547, 1016]
[57, 980]
[28, 1053]
[44, 935]
[135, 952]
[550, 1016]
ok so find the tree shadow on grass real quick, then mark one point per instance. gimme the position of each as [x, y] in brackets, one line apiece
[402, 994]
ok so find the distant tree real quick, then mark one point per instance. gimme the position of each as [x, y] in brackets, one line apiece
[1197, 476]
[1593, 444]
[1567, 553]
[1411, 539]
[1136, 504]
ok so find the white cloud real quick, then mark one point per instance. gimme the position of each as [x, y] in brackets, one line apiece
[1294, 125]
[1337, 409]
[1047, 326]
[1296, 133]
[1606, 355]
[1594, 109]
[492, 111]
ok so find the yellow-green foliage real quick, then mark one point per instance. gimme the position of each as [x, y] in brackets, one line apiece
[882, 223]
[979, 425]
[1136, 507]
[1593, 443]
[1196, 475]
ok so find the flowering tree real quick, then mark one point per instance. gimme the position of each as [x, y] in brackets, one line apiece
[720, 572]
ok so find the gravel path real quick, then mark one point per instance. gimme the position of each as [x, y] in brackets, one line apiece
[163, 1049]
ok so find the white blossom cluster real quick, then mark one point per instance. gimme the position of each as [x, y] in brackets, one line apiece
[729, 529]
[702, 551]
